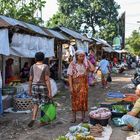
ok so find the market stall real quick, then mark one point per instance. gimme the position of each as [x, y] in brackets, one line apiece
[76, 41]
[19, 43]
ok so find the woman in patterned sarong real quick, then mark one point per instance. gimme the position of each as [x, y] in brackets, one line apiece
[78, 82]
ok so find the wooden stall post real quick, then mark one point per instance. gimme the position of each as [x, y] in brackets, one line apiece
[3, 70]
[59, 61]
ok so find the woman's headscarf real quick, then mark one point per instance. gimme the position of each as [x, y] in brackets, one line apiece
[78, 52]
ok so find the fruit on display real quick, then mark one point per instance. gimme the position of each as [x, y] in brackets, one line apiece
[15, 83]
[81, 137]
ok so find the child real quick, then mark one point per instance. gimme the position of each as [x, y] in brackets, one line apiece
[39, 84]
[132, 119]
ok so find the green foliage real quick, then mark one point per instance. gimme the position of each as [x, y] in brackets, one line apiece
[133, 43]
[22, 11]
[92, 13]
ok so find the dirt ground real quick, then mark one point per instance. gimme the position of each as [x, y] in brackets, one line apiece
[14, 126]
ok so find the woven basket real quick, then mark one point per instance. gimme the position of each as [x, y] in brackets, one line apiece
[23, 104]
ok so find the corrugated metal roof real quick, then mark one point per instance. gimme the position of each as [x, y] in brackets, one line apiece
[108, 49]
[101, 41]
[58, 35]
[74, 34]
[31, 27]
[3, 23]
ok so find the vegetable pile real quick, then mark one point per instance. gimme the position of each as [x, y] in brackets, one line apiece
[120, 109]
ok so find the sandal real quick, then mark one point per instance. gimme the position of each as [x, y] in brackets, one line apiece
[31, 123]
[43, 124]
[126, 128]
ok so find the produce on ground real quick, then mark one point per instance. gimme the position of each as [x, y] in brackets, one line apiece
[100, 113]
[120, 108]
[96, 131]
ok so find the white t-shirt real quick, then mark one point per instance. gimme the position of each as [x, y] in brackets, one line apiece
[104, 64]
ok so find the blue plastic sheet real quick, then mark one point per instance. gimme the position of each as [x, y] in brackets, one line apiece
[115, 95]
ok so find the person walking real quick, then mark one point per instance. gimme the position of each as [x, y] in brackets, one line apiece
[78, 82]
[39, 85]
[104, 66]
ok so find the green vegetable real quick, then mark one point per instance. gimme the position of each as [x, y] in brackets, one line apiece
[119, 108]
[86, 125]
[62, 138]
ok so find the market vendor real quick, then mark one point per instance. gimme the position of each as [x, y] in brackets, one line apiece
[24, 74]
[132, 119]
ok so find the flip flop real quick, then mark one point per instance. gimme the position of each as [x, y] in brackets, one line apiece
[126, 128]
[43, 124]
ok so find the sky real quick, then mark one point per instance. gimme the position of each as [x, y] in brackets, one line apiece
[131, 7]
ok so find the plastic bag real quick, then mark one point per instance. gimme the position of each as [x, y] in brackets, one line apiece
[48, 112]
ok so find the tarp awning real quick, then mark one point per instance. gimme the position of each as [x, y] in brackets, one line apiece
[25, 45]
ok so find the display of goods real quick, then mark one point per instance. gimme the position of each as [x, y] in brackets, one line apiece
[100, 113]
[8, 90]
[96, 131]
[22, 95]
[118, 122]
[86, 125]
[130, 98]
[14, 83]
[22, 104]
[120, 108]
[115, 95]
[62, 138]
[80, 137]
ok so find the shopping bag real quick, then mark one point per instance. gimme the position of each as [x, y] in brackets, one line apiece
[109, 79]
[48, 112]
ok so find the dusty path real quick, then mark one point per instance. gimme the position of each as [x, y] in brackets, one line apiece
[14, 126]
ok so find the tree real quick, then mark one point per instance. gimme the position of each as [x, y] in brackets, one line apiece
[22, 10]
[93, 14]
[133, 43]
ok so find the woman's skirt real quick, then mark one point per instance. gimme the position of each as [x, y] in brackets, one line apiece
[79, 96]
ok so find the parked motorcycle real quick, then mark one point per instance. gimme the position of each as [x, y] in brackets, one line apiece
[136, 80]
